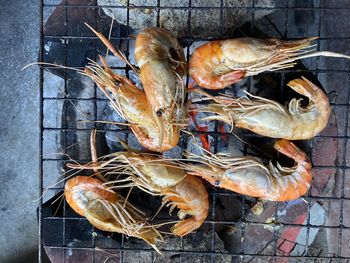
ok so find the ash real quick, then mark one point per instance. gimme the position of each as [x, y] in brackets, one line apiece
[204, 23]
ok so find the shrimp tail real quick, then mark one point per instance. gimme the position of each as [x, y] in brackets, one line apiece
[319, 99]
[304, 87]
[185, 227]
[298, 178]
[290, 150]
[191, 198]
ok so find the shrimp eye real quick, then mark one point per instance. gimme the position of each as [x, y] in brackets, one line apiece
[159, 113]
[117, 83]
[217, 182]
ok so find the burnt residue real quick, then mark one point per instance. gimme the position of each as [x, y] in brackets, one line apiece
[232, 236]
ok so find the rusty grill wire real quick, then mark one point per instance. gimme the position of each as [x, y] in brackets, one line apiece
[66, 224]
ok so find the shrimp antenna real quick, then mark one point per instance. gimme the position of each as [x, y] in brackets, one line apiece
[289, 52]
[110, 34]
[53, 65]
[107, 122]
[125, 145]
[93, 151]
[115, 52]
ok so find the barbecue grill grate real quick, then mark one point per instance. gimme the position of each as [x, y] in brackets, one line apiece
[65, 40]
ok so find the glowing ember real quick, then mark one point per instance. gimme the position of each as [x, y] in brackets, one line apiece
[221, 128]
[203, 137]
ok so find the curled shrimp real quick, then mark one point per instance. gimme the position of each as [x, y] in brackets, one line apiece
[271, 119]
[249, 176]
[162, 66]
[107, 210]
[159, 177]
[221, 63]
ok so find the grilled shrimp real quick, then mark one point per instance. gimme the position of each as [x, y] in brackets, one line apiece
[271, 119]
[132, 105]
[160, 177]
[249, 176]
[221, 63]
[107, 210]
[162, 66]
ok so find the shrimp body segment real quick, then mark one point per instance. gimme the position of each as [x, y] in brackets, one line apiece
[221, 63]
[249, 176]
[271, 119]
[106, 210]
[164, 178]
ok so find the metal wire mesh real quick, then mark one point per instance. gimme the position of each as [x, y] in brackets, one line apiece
[68, 36]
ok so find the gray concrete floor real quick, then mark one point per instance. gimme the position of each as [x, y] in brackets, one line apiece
[19, 130]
